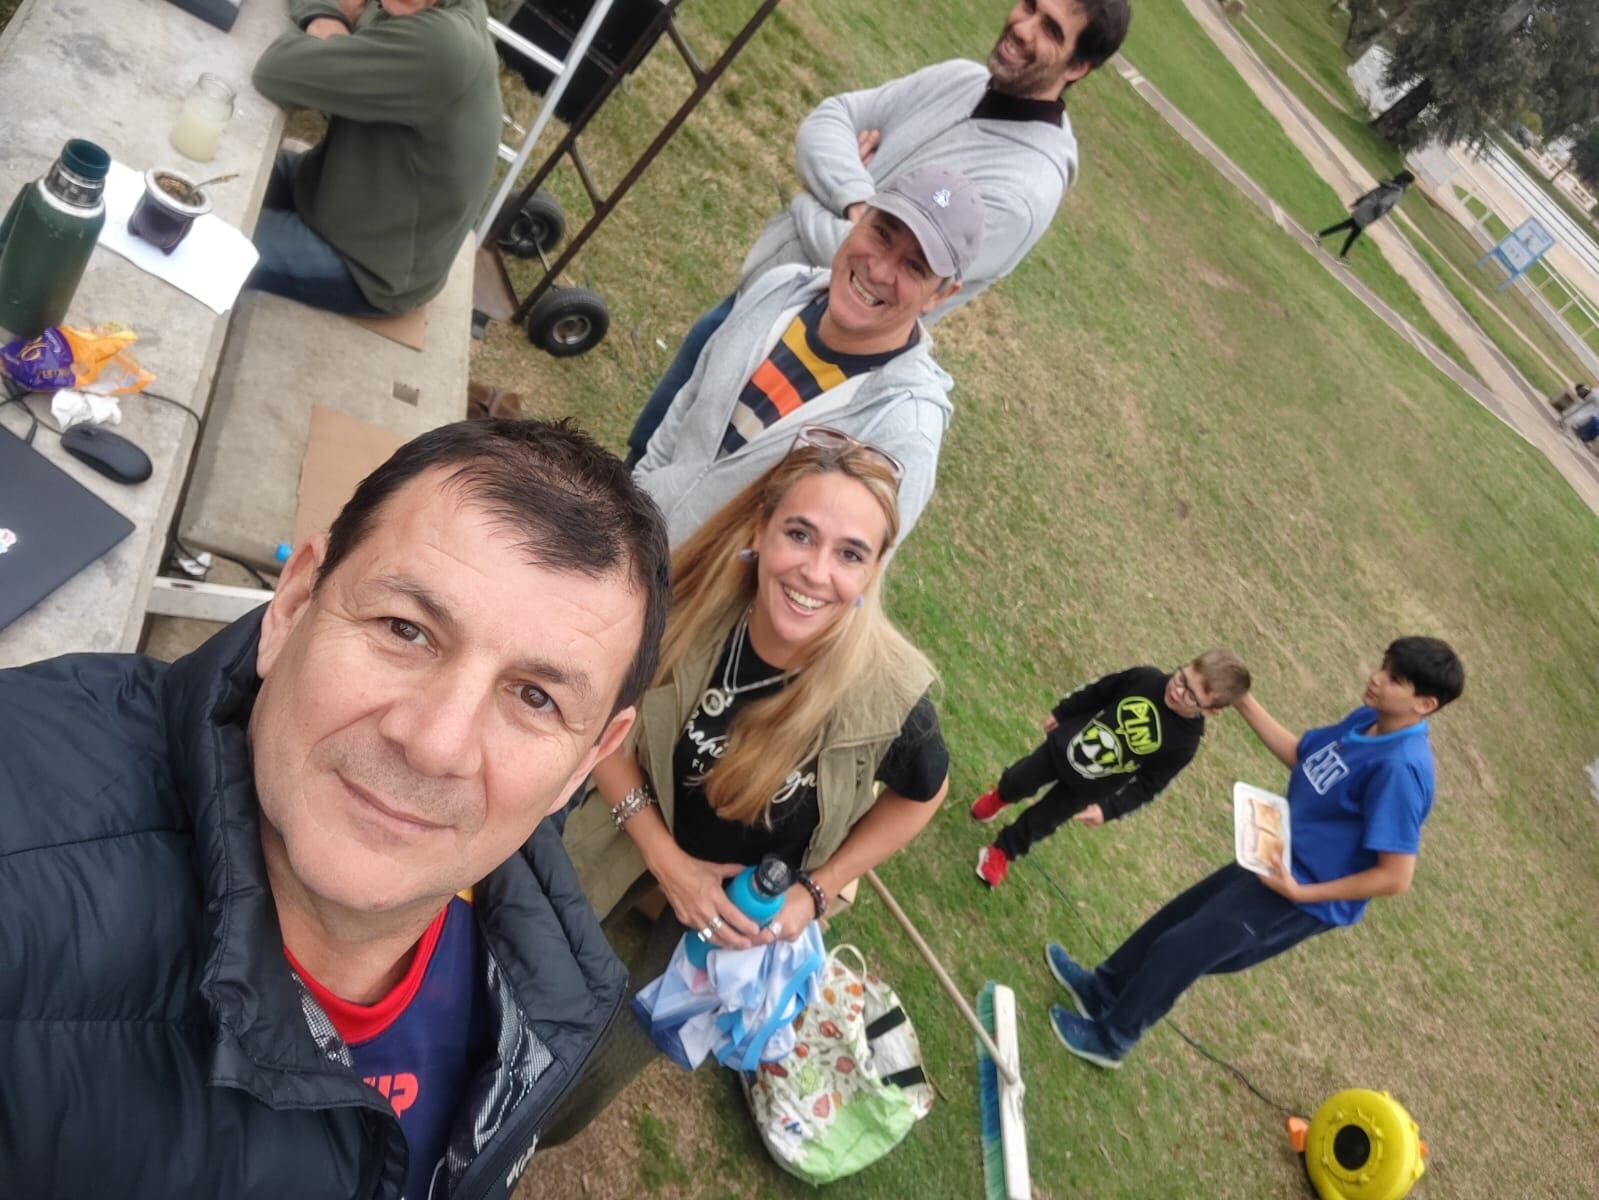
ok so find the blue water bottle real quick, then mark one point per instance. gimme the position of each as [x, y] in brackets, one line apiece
[758, 891]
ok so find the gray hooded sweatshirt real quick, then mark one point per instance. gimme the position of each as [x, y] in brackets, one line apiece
[1375, 204]
[902, 407]
[1023, 168]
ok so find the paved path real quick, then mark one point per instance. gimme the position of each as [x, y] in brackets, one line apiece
[1498, 386]
[1339, 104]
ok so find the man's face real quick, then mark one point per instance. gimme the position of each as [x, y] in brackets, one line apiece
[1032, 58]
[431, 702]
[406, 8]
[881, 281]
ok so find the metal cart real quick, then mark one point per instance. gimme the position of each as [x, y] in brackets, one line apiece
[561, 320]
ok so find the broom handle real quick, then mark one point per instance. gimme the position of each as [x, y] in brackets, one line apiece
[944, 980]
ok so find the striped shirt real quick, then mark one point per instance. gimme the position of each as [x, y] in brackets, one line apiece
[799, 368]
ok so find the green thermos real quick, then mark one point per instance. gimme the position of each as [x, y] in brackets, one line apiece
[47, 237]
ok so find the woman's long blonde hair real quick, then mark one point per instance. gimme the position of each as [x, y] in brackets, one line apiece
[771, 737]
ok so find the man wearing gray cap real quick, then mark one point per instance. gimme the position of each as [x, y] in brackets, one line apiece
[1003, 123]
[845, 348]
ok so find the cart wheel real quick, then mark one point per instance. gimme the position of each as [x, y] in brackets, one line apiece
[540, 225]
[567, 322]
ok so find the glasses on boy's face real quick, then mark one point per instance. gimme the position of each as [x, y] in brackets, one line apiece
[836, 441]
[1185, 693]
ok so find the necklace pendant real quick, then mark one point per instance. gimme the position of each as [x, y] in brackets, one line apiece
[714, 702]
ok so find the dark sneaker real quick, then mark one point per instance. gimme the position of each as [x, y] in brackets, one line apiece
[1082, 1038]
[992, 865]
[987, 806]
[1077, 979]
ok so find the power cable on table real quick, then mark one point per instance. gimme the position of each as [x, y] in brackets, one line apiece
[15, 394]
[261, 579]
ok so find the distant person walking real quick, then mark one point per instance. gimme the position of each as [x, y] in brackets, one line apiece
[1369, 209]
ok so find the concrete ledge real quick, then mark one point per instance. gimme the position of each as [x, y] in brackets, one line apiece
[280, 359]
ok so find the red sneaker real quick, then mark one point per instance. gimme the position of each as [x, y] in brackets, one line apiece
[987, 806]
[992, 865]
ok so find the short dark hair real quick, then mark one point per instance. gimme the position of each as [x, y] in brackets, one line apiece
[574, 505]
[1428, 665]
[1104, 32]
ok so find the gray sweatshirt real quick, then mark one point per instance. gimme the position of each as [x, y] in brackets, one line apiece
[902, 407]
[1375, 204]
[413, 108]
[1023, 168]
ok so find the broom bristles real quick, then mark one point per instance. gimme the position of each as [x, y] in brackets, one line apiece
[988, 1102]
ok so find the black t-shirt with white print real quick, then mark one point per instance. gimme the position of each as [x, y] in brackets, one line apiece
[1116, 744]
[914, 767]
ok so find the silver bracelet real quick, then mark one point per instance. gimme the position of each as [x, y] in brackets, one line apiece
[632, 804]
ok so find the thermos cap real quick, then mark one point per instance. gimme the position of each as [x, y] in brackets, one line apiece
[772, 876]
[85, 160]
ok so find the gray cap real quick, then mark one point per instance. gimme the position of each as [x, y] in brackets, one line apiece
[943, 209]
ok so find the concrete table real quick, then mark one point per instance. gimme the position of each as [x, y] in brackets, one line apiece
[115, 72]
[282, 359]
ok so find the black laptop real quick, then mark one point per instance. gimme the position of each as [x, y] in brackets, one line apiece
[51, 527]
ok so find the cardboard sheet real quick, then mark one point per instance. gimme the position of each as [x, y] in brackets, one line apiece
[340, 451]
[409, 329]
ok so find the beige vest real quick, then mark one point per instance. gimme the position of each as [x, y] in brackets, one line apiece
[853, 744]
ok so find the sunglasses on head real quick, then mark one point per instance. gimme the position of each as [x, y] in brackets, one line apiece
[836, 441]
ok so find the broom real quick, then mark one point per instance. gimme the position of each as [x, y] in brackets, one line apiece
[1003, 1132]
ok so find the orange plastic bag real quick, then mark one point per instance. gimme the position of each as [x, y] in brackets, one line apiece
[94, 360]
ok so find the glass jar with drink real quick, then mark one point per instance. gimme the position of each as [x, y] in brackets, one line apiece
[206, 111]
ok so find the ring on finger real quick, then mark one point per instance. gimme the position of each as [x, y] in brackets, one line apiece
[707, 933]
[716, 923]
[777, 929]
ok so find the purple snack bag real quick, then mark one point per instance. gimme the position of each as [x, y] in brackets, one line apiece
[41, 364]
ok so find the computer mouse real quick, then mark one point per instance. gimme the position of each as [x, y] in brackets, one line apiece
[109, 453]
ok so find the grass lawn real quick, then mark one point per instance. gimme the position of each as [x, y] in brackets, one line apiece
[1173, 51]
[1312, 35]
[1540, 275]
[1173, 429]
[1308, 37]
[1508, 317]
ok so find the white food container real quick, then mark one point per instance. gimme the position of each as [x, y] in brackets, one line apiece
[1246, 832]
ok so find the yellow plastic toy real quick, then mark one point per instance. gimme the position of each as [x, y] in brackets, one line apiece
[1360, 1145]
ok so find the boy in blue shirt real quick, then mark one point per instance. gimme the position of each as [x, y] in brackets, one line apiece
[1357, 796]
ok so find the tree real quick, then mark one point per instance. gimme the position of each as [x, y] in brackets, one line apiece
[1469, 66]
[1367, 21]
[1570, 97]
[1585, 158]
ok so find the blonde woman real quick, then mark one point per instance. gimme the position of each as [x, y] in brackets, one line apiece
[785, 696]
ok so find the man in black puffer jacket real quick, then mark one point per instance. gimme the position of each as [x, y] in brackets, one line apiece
[279, 919]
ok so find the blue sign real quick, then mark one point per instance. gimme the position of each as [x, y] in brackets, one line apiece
[1520, 248]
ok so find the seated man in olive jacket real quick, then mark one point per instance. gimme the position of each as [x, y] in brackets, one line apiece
[283, 919]
[369, 221]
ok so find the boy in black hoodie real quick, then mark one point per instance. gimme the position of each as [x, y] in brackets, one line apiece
[1109, 748]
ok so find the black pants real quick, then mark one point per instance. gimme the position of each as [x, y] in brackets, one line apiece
[1047, 814]
[1226, 922]
[1354, 232]
[626, 1049]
